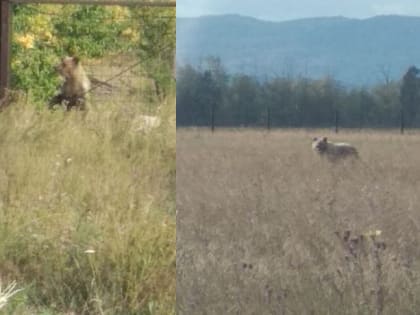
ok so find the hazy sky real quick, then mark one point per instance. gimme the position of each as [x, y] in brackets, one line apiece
[277, 10]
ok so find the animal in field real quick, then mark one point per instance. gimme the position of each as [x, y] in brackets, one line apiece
[333, 151]
[76, 84]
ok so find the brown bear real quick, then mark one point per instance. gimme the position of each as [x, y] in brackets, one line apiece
[73, 91]
[333, 151]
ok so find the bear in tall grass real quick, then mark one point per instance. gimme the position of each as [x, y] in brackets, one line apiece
[73, 91]
[333, 151]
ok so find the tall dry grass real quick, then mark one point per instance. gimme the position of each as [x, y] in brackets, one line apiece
[267, 227]
[87, 208]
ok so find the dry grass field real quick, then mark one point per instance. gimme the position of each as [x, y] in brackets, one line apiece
[87, 210]
[264, 226]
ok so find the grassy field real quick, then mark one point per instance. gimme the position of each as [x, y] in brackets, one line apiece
[87, 210]
[267, 227]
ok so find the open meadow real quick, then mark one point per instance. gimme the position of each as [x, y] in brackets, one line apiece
[87, 208]
[265, 226]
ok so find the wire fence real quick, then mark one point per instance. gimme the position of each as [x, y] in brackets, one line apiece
[215, 117]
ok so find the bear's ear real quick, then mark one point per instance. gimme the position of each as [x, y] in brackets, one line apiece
[325, 139]
[76, 60]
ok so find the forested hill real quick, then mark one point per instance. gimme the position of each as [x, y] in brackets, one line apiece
[353, 51]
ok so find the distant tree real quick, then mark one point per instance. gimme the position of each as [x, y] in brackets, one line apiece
[243, 100]
[359, 109]
[409, 95]
[214, 87]
[368, 109]
[324, 100]
[217, 70]
[385, 72]
[199, 93]
[388, 103]
[278, 96]
[210, 97]
[187, 95]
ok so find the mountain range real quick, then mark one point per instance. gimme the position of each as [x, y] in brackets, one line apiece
[355, 52]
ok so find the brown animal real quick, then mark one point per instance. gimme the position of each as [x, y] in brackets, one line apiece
[75, 86]
[333, 151]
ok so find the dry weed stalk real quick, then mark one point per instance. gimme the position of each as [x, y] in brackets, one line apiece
[7, 293]
[359, 250]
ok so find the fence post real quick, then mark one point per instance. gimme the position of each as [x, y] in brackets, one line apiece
[268, 118]
[402, 121]
[212, 117]
[246, 116]
[5, 23]
[336, 121]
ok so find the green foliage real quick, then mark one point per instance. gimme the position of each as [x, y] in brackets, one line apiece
[35, 74]
[157, 42]
[89, 31]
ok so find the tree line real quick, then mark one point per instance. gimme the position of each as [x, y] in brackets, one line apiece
[208, 95]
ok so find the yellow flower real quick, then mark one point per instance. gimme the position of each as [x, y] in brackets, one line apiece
[373, 233]
[47, 35]
[119, 13]
[132, 35]
[27, 41]
[135, 37]
[16, 63]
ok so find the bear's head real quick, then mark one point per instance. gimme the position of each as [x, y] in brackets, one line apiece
[320, 144]
[68, 67]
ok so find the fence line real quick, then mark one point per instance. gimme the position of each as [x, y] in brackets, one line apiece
[215, 120]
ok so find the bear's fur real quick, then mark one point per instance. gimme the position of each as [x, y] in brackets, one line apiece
[73, 91]
[333, 151]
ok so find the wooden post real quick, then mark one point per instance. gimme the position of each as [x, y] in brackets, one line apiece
[246, 116]
[336, 121]
[268, 118]
[402, 121]
[5, 44]
[212, 117]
